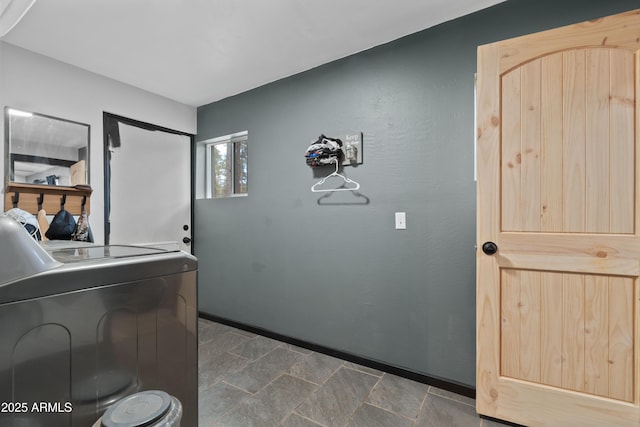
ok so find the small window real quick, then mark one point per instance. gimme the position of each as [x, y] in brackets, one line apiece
[226, 168]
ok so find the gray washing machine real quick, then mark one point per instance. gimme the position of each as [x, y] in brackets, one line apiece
[82, 326]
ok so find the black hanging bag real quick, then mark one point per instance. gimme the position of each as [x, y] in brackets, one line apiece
[62, 226]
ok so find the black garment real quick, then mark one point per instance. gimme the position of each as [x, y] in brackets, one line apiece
[62, 226]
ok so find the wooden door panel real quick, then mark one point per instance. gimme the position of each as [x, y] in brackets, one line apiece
[597, 158]
[565, 168]
[511, 153]
[573, 140]
[551, 158]
[622, 361]
[597, 336]
[552, 316]
[623, 104]
[568, 330]
[558, 305]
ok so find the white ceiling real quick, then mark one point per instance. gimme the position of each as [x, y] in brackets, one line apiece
[199, 51]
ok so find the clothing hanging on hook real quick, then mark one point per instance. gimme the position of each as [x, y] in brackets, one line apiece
[27, 220]
[63, 223]
[62, 226]
[82, 231]
[43, 223]
[323, 151]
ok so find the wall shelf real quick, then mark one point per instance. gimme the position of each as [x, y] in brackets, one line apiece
[50, 197]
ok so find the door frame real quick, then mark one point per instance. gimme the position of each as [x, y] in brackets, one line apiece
[110, 124]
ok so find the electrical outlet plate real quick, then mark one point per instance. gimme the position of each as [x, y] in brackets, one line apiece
[352, 140]
[401, 220]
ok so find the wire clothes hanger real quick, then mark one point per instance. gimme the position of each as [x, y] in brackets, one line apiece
[342, 188]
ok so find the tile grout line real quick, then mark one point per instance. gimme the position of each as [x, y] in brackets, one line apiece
[421, 407]
[449, 398]
[325, 380]
[375, 406]
[303, 417]
[364, 399]
[341, 366]
[216, 420]
[318, 386]
[249, 339]
[353, 367]
[396, 413]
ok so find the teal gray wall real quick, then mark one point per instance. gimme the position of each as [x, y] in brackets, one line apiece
[333, 271]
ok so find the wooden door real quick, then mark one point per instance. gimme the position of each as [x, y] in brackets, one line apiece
[558, 327]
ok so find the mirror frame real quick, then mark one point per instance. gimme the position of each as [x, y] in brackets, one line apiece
[11, 158]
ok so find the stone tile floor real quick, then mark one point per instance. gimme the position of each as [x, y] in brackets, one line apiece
[249, 380]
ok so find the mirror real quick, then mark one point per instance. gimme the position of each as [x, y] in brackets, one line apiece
[45, 150]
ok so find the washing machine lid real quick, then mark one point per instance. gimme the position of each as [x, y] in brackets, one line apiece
[91, 253]
[91, 266]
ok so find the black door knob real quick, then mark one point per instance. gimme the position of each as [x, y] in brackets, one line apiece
[489, 248]
[186, 240]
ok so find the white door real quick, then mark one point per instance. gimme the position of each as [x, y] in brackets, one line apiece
[150, 188]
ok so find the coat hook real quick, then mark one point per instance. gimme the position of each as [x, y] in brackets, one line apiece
[84, 202]
[63, 200]
[16, 199]
[40, 201]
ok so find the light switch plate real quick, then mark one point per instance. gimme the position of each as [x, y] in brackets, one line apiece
[401, 221]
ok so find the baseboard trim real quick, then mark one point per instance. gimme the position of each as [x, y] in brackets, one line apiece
[414, 376]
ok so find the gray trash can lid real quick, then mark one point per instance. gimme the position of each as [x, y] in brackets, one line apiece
[138, 410]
